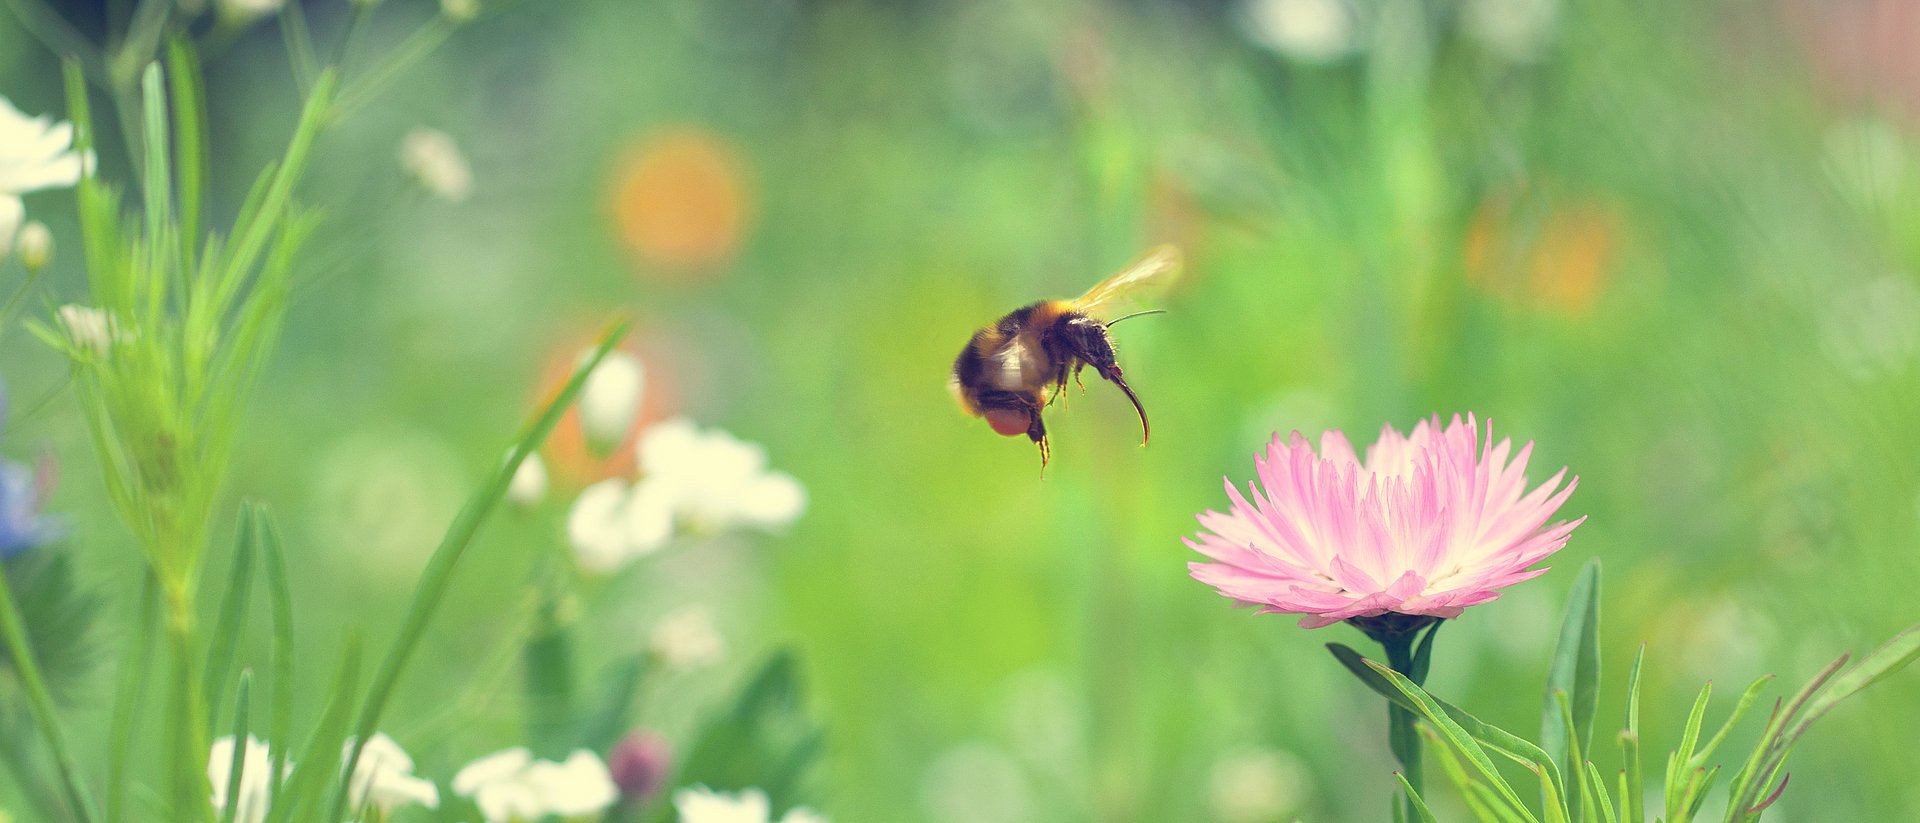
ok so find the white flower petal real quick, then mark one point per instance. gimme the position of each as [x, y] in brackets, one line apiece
[611, 398]
[494, 768]
[598, 527]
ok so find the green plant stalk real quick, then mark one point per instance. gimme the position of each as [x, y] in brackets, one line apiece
[126, 709]
[187, 730]
[40, 703]
[440, 568]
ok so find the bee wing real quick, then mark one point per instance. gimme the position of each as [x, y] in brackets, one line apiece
[1143, 279]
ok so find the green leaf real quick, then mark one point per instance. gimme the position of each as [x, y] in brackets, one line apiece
[607, 722]
[233, 611]
[190, 140]
[1454, 734]
[1597, 788]
[438, 576]
[765, 739]
[319, 763]
[1890, 657]
[40, 702]
[280, 597]
[1507, 743]
[1633, 792]
[1420, 806]
[549, 681]
[1575, 670]
[236, 767]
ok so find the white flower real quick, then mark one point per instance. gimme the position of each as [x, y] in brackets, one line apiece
[91, 330]
[611, 398]
[612, 523]
[35, 153]
[716, 480]
[383, 779]
[436, 164]
[1310, 30]
[256, 781]
[578, 786]
[688, 638]
[700, 804]
[702, 481]
[511, 786]
[248, 9]
[529, 485]
[36, 245]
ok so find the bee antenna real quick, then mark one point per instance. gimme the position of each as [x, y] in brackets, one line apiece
[1111, 323]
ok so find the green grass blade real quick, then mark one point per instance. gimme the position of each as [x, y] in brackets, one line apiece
[438, 575]
[40, 703]
[236, 768]
[280, 596]
[233, 610]
[1575, 670]
[1677, 769]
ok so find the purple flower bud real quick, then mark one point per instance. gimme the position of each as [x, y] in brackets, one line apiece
[640, 763]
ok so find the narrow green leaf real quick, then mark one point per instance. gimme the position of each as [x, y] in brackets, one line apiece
[1577, 798]
[438, 576]
[233, 610]
[40, 703]
[280, 597]
[1554, 804]
[318, 765]
[1420, 806]
[1747, 699]
[1892, 656]
[190, 141]
[129, 696]
[1597, 788]
[1519, 749]
[1455, 736]
[1633, 795]
[1575, 669]
[236, 767]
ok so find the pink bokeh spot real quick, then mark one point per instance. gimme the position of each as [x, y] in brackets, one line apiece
[1428, 524]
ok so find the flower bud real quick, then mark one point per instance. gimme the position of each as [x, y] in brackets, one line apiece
[640, 763]
[610, 399]
[36, 245]
[90, 329]
[529, 484]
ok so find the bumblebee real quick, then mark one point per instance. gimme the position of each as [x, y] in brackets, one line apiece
[1013, 369]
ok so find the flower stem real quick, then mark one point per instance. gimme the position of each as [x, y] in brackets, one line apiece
[1408, 641]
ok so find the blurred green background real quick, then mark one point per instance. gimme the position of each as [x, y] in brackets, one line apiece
[1674, 244]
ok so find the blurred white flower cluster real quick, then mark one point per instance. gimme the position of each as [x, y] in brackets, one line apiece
[35, 153]
[693, 480]
[434, 161]
[512, 786]
[383, 779]
[700, 804]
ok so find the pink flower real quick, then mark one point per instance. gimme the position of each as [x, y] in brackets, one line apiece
[1430, 524]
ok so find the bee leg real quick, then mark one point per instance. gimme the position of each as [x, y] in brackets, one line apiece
[1037, 432]
[1076, 377]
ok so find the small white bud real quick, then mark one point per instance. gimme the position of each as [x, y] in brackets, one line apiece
[36, 245]
[435, 162]
[460, 11]
[611, 398]
[529, 484]
[91, 330]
